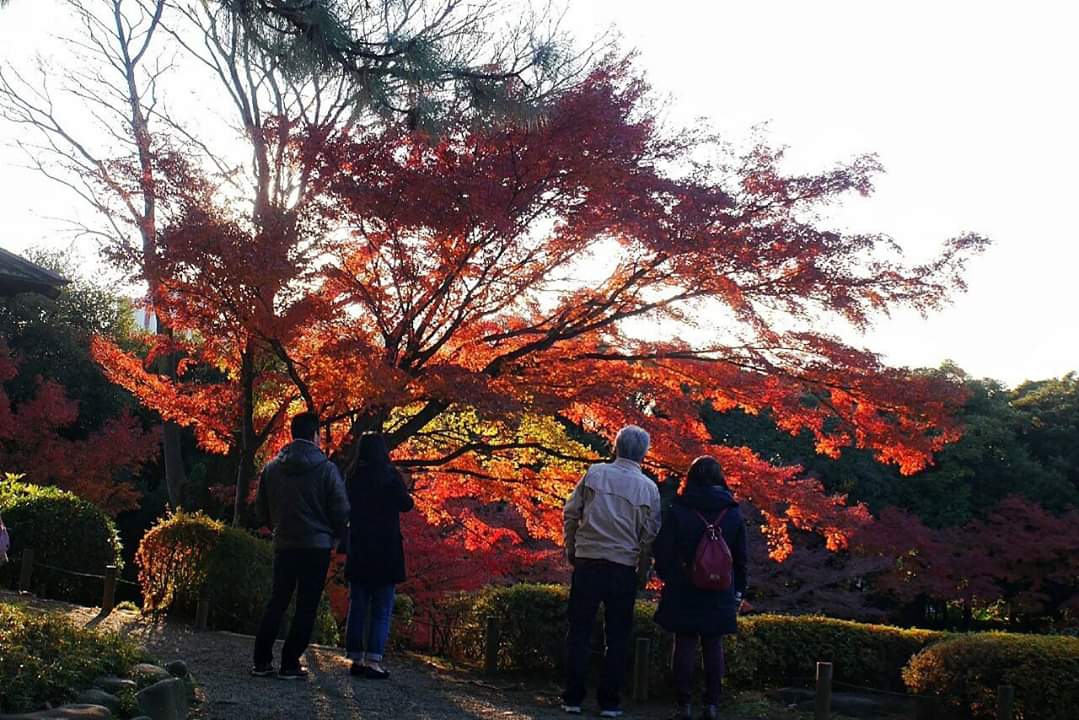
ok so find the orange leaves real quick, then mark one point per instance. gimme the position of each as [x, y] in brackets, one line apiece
[209, 409]
[502, 299]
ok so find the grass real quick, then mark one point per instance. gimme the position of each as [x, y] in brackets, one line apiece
[47, 659]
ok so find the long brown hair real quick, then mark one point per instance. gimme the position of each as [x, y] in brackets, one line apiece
[705, 471]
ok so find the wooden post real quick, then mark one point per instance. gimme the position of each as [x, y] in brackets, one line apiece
[108, 595]
[492, 641]
[824, 691]
[642, 657]
[1005, 701]
[202, 614]
[26, 572]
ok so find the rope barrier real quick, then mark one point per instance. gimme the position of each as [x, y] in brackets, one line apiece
[69, 572]
[863, 688]
[90, 576]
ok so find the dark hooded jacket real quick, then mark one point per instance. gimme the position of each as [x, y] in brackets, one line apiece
[684, 608]
[302, 497]
[378, 496]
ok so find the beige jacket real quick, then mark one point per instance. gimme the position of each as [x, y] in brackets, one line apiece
[613, 514]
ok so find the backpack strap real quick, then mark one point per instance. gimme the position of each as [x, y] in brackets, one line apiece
[711, 527]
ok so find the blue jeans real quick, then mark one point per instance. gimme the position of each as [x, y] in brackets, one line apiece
[370, 609]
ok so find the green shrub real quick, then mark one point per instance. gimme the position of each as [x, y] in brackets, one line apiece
[531, 621]
[43, 658]
[772, 650]
[532, 625]
[186, 556]
[769, 650]
[64, 531]
[404, 614]
[966, 671]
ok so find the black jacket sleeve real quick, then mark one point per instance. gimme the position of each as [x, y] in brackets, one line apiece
[337, 506]
[262, 502]
[404, 497]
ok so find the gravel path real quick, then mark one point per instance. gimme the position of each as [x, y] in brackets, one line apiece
[417, 689]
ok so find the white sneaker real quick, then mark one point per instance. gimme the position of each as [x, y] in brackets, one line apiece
[571, 709]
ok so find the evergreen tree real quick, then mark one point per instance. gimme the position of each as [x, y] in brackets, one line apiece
[424, 60]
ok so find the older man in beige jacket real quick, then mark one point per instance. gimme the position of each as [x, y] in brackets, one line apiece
[609, 523]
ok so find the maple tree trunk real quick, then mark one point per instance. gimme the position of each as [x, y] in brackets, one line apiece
[245, 473]
[172, 433]
[172, 438]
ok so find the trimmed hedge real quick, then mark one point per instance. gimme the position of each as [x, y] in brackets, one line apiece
[769, 650]
[186, 556]
[966, 671]
[772, 650]
[65, 531]
[776, 650]
[43, 657]
[531, 621]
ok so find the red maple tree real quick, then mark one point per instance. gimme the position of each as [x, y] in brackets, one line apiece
[1019, 554]
[36, 440]
[500, 299]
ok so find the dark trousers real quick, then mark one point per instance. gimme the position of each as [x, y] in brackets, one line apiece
[302, 572]
[614, 586]
[685, 665]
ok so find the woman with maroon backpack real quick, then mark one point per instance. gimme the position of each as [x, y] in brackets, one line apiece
[701, 558]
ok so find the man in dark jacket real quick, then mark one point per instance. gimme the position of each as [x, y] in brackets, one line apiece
[302, 497]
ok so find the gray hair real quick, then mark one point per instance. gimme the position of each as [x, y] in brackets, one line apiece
[632, 443]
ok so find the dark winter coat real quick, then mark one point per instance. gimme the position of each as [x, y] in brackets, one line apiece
[302, 497]
[684, 608]
[378, 496]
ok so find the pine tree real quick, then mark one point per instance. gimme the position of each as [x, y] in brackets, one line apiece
[424, 60]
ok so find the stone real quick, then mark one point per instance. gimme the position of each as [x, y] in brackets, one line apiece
[178, 668]
[114, 685]
[98, 697]
[148, 673]
[164, 700]
[66, 712]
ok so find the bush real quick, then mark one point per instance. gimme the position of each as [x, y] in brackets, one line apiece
[772, 650]
[532, 626]
[965, 672]
[769, 649]
[531, 621]
[65, 531]
[186, 556]
[44, 658]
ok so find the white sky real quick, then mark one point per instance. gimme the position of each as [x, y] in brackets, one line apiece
[971, 106]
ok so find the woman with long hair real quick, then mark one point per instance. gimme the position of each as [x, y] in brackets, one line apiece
[378, 495]
[695, 614]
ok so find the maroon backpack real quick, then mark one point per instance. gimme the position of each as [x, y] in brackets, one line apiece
[712, 563]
